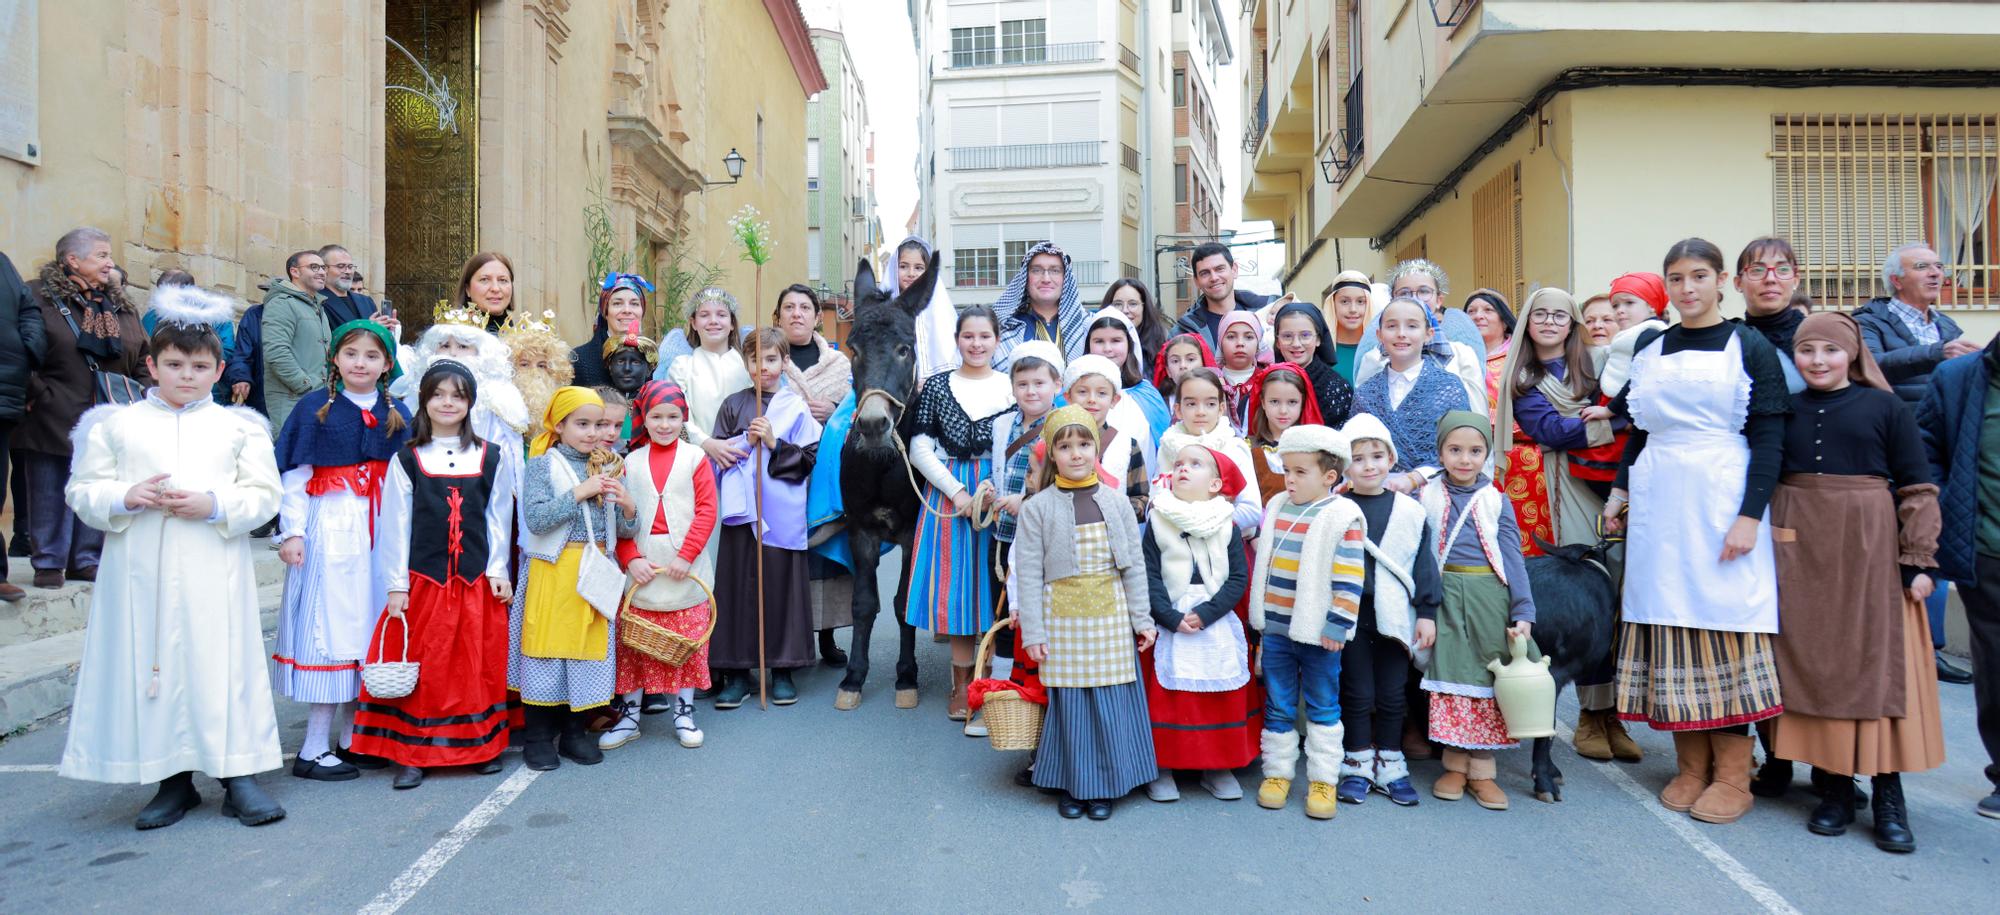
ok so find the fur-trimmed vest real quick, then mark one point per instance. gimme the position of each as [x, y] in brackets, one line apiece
[1313, 598]
[1484, 520]
[563, 478]
[663, 593]
[1395, 581]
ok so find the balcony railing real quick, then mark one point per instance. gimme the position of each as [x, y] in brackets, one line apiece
[1259, 117]
[1026, 155]
[1089, 273]
[1075, 52]
[1128, 157]
[1129, 58]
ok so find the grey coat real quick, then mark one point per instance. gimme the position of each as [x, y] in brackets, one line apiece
[1044, 551]
[295, 343]
[1906, 363]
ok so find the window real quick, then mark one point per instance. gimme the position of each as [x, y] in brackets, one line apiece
[1848, 189]
[1496, 234]
[812, 254]
[1177, 6]
[1180, 184]
[972, 47]
[1024, 41]
[1017, 251]
[1180, 88]
[975, 266]
[812, 164]
[1323, 82]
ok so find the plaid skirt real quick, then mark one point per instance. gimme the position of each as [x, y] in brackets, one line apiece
[1679, 679]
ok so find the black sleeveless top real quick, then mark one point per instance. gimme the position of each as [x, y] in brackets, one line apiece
[448, 518]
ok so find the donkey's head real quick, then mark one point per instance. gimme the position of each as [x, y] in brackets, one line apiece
[883, 346]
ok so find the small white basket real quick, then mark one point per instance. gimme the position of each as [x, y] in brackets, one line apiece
[387, 679]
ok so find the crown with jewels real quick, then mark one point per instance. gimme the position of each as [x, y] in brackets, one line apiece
[446, 314]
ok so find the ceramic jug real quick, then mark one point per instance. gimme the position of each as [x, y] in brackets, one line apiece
[1526, 693]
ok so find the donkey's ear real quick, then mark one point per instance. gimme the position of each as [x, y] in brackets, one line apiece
[915, 298]
[864, 278]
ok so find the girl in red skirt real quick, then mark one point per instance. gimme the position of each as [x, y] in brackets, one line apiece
[675, 488]
[442, 542]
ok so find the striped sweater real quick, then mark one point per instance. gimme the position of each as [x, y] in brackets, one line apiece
[1310, 569]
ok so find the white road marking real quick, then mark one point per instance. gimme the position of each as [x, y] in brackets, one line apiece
[1680, 825]
[12, 769]
[413, 879]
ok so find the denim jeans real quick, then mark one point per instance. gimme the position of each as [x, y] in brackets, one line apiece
[1295, 672]
[1934, 608]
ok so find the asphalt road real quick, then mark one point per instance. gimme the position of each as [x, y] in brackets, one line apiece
[879, 810]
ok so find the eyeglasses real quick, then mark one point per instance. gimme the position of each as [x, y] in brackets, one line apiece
[1782, 271]
[341, 268]
[1548, 317]
[1046, 273]
[314, 268]
[1421, 292]
[1299, 337]
[1926, 266]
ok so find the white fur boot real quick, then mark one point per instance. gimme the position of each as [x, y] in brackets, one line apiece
[1324, 752]
[1358, 764]
[1390, 766]
[1281, 754]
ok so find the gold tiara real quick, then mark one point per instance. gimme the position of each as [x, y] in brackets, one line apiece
[449, 315]
[520, 323]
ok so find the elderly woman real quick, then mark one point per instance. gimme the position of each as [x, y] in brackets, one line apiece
[90, 329]
[822, 376]
[1489, 312]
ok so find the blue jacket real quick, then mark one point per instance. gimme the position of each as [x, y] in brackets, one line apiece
[246, 358]
[1949, 417]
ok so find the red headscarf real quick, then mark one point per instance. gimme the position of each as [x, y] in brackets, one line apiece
[1308, 411]
[1227, 471]
[1649, 287]
[1160, 358]
[653, 394]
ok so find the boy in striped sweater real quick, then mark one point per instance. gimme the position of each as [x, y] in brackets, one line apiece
[1305, 592]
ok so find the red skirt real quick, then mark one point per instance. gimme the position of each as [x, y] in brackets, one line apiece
[1203, 730]
[457, 715]
[640, 673]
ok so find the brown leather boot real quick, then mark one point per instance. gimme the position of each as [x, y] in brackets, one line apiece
[957, 708]
[1695, 758]
[1623, 747]
[1728, 796]
[1590, 740]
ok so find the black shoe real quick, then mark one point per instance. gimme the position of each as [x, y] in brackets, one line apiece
[541, 755]
[21, 547]
[714, 686]
[576, 744]
[89, 573]
[489, 767]
[245, 800]
[656, 703]
[538, 736]
[829, 653]
[360, 760]
[1892, 819]
[735, 688]
[1774, 778]
[177, 796]
[1099, 810]
[1836, 807]
[783, 692]
[311, 768]
[1026, 778]
[1069, 808]
[408, 777]
[1948, 672]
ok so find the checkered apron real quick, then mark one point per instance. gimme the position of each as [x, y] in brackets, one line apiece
[1090, 632]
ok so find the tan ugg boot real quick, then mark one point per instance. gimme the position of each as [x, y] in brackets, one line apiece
[1695, 758]
[1623, 747]
[1281, 763]
[1480, 772]
[1728, 797]
[957, 707]
[1590, 739]
[1451, 785]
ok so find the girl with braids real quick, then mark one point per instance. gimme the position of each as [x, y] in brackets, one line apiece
[333, 454]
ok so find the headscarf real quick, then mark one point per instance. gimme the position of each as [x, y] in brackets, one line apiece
[1327, 352]
[1207, 356]
[1062, 418]
[1649, 287]
[467, 381]
[1308, 409]
[1558, 393]
[1839, 329]
[1113, 312]
[652, 394]
[1499, 303]
[1465, 419]
[566, 400]
[1242, 316]
[382, 336]
[615, 281]
[1013, 302]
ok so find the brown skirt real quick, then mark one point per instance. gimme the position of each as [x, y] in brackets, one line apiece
[1840, 596]
[1912, 743]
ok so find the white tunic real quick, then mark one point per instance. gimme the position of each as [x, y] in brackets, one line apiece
[177, 593]
[708, 378]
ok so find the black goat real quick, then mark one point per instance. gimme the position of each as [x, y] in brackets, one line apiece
[1576, 624]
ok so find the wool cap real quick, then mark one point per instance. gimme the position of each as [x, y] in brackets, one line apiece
[1368, 426]
[1304, 439]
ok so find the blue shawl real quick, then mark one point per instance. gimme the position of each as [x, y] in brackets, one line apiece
[1414, 425]
[343, 439]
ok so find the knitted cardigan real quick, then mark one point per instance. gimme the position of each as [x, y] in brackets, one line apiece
[1414, 424]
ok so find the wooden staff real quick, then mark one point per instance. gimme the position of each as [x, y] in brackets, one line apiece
[757, 528]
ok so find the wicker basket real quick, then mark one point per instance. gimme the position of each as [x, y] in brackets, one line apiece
[388, 679]
[656, 641]
[1012, 723]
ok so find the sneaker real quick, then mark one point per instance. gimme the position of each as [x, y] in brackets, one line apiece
[1222, 784]
[623, 730]
[1401, 793]
[783, 691]
[684, 729]
[657, 703]
[1163, 789]
[1989, 806]
[976, 725]
[1353, 790]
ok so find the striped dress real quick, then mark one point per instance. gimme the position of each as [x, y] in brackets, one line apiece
[951, 585]
[1097, 741]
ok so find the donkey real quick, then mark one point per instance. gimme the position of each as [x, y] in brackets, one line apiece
[1576, 622]
[875, 485]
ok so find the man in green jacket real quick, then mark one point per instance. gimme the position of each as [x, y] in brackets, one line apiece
[296, 336]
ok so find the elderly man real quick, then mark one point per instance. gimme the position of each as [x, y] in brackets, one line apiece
[340, 300]
[1910, 337]
[1215, 275]
[295, 336]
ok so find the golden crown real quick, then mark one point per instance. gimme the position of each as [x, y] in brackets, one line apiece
[520, 323]
[449, 315]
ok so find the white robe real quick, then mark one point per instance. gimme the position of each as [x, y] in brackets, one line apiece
[708, 378]
[174, 592]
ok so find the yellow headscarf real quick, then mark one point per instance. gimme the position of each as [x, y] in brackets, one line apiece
[565, 401]
[1063, 418]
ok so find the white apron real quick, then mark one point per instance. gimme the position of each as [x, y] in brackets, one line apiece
[1686, 488]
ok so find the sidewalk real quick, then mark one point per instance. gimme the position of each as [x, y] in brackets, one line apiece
[41, 640]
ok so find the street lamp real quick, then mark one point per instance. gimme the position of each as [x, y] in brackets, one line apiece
[825, 292]
[733, 163]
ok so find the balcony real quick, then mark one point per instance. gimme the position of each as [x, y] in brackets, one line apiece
[1090, 273]
[1256, 120]
[1075, 52]
[1026, 155]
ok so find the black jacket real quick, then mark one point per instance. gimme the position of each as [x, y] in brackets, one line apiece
[1906, 363]
[1191, 321]
[22, 341]
[342, 309]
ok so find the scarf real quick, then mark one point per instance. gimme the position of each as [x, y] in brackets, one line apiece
[1015, 311]
[1839, 329]
[1253, 395]
[1160, 379]
[1211, 517]
[1780, 328]
[565, 401]
[99, 333]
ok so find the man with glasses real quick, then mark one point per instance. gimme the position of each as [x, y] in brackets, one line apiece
[1907, 333]
[295, 336]
[341, 302]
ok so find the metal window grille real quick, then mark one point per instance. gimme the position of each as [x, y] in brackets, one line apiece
[1026, 155]
[1849, 188]
[1496, 234]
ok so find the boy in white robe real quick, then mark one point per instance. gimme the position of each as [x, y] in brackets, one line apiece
[173, 678]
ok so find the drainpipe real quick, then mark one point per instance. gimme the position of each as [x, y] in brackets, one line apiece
[1145, 130]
